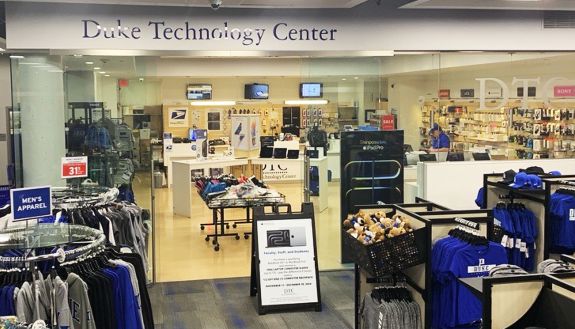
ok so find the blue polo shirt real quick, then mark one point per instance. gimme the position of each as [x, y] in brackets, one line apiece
[442, 141]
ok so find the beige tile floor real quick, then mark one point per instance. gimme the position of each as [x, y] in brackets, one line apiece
[182, 253]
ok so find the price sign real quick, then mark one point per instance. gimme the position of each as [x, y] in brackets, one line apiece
[74, 167]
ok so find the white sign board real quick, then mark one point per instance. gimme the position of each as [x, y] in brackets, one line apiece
[178, 117]
[287, 268]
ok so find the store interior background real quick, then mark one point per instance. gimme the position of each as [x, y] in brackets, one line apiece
[399, 85]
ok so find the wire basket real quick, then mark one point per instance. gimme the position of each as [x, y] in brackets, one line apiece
[390, 255]
[245, 202]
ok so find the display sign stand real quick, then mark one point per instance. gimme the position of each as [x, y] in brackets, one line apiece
[284, 267]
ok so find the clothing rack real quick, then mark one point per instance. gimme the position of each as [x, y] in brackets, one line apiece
[426, 216]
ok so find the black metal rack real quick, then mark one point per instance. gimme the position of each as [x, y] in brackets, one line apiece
[443, 217]
[539, 196]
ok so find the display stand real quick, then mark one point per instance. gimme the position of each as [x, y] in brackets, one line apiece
[429, 221]
[536, 200]
[284, 249]
[539, 300]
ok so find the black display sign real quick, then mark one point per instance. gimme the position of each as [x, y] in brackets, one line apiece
[371, 171]
[284, 272]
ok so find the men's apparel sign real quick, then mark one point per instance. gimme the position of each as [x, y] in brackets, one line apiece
[178, 117]
[31, 202]
[74, 167]
[285, 266]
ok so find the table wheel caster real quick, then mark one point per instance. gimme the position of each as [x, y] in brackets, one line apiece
[246, 236]
[214, 242]
[237, 237]
[202, 227]
[235, 225]
[228, 226]
[217, 248]
[207, 238]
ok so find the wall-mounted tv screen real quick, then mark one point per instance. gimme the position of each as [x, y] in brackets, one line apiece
[199, 92]
[311, 90]
[257, 91]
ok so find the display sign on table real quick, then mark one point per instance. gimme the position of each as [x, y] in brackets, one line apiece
[74, 167]
[31, 202]
[285, 268]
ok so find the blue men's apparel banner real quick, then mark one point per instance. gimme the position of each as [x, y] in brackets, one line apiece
[32, 202]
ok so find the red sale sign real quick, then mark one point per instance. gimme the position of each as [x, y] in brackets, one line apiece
[74, 167]
[387, 122]
[564, 91]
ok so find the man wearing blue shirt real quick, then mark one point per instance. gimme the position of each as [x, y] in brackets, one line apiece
[439, 140]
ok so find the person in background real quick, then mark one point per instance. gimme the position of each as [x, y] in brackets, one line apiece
[439, 140]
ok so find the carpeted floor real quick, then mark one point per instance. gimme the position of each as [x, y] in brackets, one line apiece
[225, 303]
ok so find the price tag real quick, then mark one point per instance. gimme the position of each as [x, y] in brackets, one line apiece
[74, 167]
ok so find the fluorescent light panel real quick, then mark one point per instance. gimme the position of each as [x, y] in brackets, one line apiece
[306, 102]
[213, 103]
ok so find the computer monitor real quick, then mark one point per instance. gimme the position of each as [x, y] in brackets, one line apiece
[427, 157]
[455, 156]
[481, 156]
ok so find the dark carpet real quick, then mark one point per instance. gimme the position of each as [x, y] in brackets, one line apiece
[226, 303]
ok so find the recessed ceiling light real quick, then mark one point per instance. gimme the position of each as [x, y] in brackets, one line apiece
[78, 55]
[16, 56]
[106, 75]
[102, 72]
[343, 79]
[90, 63]
[356, 78]
[97, 68]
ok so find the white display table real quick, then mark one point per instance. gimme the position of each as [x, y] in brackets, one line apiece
[182, 185]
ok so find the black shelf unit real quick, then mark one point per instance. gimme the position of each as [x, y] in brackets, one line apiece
[444, 217]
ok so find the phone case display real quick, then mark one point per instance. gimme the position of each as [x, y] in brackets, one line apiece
[245, 132]
[537, 132]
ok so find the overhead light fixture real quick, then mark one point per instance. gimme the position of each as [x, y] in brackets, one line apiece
[97, 68]
[78, 55]
[106, 75]
[213, 103]
[89, 63]
[343, 79]
[307, 102]
[356, 78]
[16, 56]
[102, 72]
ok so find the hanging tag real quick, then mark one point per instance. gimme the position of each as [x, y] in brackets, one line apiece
[504, 240]
[523, 247]
[510, 243]
[518, 244]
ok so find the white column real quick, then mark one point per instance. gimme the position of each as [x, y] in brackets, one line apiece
[41, 88]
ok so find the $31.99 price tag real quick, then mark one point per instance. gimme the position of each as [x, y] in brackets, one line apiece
[74, 167]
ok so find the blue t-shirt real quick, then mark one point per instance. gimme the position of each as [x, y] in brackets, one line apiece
[473, 261]
[563, 220]
[442, 141]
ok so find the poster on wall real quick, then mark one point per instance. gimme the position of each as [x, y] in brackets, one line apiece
[178, 117]
[286, 262]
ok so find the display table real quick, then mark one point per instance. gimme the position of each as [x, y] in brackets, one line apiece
[279, 169]
[291, 170]
[182, 185]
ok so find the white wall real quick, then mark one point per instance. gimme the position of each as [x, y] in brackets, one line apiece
[403, 95]
[107, 92]
[80, 86]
